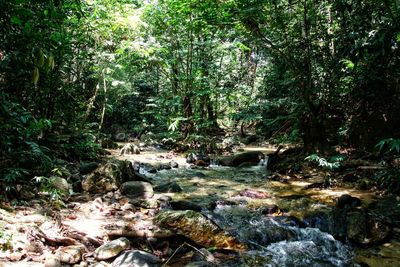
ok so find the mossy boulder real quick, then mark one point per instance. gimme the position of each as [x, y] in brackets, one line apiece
[198, 228]
[109, 176]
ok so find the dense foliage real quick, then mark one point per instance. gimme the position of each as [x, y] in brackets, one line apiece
[324, 73]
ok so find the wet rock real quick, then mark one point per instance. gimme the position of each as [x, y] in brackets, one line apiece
[149, 168]
[358, 226]
[249, 158]
[71, 254]
[129, 149]
[85, 168]
[266, 231]
[348, 201]
[174, 164]
[184, 205]
[324, 221]
[198, 228]
[136, 258]
[251, 193]
[137, 189]
[311, 248]
[112, 248]
[171, 187]
[109, 176]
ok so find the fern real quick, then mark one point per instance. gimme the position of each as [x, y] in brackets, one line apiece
[333, 164]
[390, 145]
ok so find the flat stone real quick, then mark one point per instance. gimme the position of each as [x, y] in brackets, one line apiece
[136, 258]
[112, 249]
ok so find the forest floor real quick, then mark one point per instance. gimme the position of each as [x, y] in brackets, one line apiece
[41, 232]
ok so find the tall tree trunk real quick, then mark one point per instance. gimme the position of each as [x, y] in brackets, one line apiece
[312, 124]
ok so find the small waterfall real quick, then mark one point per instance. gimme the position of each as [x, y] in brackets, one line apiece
[276, 244]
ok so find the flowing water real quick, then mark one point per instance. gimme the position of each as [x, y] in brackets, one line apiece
[279, 239]
[273, 240]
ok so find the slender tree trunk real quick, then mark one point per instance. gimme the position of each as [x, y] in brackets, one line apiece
[90, 106]
[103, 112]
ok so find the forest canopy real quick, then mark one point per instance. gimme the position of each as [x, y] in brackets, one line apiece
[73, 73]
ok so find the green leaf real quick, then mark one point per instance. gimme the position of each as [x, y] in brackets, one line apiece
[16, 20]
[398, 37]
[348, 63]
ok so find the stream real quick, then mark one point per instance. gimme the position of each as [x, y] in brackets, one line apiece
[271, 226]
[273, 240]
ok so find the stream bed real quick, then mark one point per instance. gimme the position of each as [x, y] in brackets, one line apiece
[272, 226]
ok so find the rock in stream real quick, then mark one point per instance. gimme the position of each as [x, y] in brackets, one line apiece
[198, 228]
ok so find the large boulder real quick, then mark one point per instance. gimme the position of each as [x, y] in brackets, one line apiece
[109, 176]
[360, 226]
[60, 184]
[246, 158]
[198, 228]
[137, 189]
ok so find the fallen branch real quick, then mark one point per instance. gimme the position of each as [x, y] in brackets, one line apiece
[52, 240]
[370, 168]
